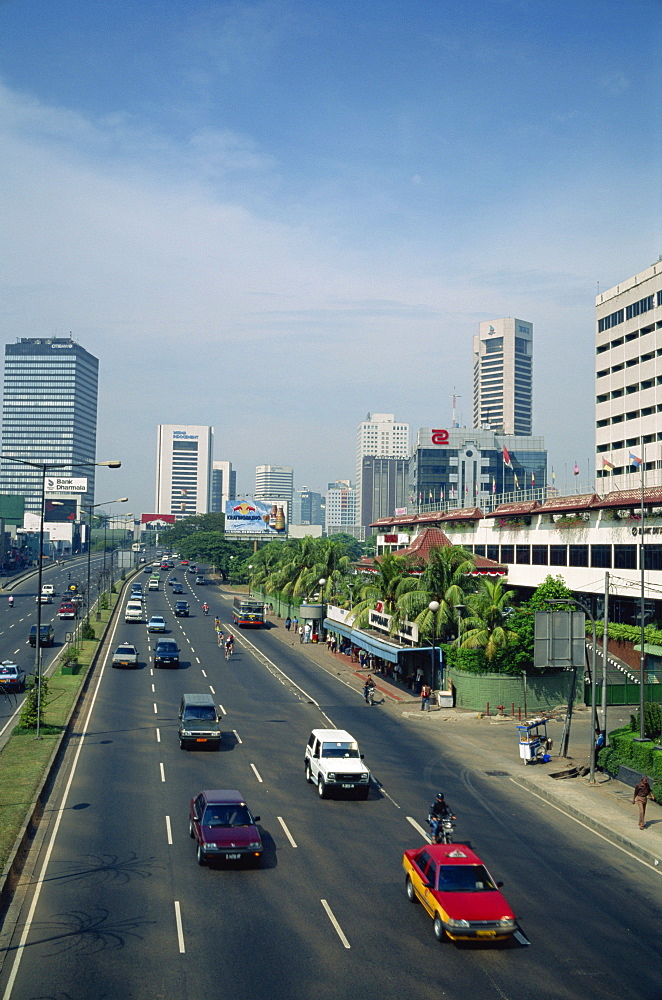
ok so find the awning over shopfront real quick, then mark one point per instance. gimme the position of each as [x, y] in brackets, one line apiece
[388, 650]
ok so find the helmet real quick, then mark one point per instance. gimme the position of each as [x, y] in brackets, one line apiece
[440, 796]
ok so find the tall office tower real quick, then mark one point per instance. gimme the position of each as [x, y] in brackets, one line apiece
[223, 486]
[380, 436]
[503, 377]
[628, 375]
[49, 414]
[340, 506]
[307, 507]
[183, 469]
[274, 482]
[384, 487]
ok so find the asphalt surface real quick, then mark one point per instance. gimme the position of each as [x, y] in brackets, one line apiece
[114, 904]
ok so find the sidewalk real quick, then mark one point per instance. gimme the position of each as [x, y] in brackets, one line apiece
[492, 743]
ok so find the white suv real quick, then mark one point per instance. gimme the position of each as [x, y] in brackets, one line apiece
[333, 761]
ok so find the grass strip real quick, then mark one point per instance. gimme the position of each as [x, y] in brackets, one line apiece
[24, 759]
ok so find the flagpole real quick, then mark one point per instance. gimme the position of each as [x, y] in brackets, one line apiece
[642, 603]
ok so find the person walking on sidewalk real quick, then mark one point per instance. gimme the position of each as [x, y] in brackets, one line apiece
[288, 623]
[426, 691]
[300, 633]
[642, 790]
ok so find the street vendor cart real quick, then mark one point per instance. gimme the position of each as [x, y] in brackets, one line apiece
[534, 743]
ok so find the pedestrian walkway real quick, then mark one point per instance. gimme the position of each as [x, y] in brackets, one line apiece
[492, 744]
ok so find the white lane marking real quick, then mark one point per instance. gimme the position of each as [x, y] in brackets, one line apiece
[265, 659]
[198, 659]
[329, 913]
[417, 826]
[211, 689]
[17, 651]
[222, 709]
[287, 832]
[180, 932]
[168, 830]
[237, 736]
[151, 671]
[384, 792]
[257, 773]
[155, 709]
[20, 948]
[204, 673]
[653, 868]
[153, 689]
[158, 735]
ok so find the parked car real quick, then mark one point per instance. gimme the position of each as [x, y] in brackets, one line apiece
[47, 636]
[223, 827]
[166, 653]
[181, 609]
[12, 677]
[458, 892]
[126, 655]
[156, 624]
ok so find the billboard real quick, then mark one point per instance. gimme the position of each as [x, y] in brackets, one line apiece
[12, 509]
[61, 510]
[255, 517]
[156, 522]
[58, 484]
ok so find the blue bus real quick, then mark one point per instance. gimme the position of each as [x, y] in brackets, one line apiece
[247, 613]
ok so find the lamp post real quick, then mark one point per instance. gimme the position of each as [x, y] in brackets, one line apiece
[44, 468]
[250, 574]
[459, 608]
[433, 608]
[89, 508]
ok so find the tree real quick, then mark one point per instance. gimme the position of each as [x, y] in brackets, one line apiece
[446, 579]
[389, 582]
[522, 620]
[485, 627]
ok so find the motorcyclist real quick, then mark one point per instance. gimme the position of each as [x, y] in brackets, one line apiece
[11, 600]
[368, 690]
[205, 609]
[439, 811]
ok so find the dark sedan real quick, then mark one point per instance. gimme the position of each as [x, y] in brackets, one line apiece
[223, 827]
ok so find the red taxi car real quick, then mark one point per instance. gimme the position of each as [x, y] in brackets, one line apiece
[458, 892]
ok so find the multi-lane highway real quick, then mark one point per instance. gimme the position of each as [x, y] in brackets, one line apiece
[118, 906]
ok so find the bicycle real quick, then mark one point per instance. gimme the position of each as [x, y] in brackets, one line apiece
[228, 650]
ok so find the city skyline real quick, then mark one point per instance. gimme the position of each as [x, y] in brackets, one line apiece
[279, 267]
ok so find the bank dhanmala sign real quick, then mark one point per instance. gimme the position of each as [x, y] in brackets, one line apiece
[60, 484]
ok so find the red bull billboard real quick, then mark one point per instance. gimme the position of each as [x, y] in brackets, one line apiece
[256, 517]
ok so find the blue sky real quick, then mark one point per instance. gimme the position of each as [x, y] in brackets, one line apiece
[275, 217]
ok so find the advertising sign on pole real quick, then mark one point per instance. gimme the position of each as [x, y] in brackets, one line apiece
[60, 484]
[255, 517]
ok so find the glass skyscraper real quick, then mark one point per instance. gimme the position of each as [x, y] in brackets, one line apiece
[49, 414]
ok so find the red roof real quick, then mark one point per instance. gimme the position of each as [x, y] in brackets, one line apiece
[432, 538]
[583, 501]
[520, 507]
[463, 514]
[631, 498]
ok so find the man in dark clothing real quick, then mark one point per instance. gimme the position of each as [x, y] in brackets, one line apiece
[439, 811]
[642, 791]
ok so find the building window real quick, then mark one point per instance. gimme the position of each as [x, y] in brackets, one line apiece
[493, 552]
[479, 550]
[625, 556]
[601, 556]
[652, 556]
[558, 555]
[522, 555]
[578, 555]
[539, 555]
[508, 554]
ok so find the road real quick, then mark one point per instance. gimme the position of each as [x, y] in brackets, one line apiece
[119, 906]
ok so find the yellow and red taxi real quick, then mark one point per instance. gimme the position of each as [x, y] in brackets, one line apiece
[458, 892]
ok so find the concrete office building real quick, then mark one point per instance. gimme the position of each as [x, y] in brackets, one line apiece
[340, 506]
[384, 487]
[378, 436]
[274, 482]
[628, 382]
[49, 414]
[503, 377]
[223, 485]
[183, 469]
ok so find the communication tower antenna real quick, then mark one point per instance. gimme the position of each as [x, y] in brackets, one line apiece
[455, 398]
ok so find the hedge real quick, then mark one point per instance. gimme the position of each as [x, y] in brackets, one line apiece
[642, 757]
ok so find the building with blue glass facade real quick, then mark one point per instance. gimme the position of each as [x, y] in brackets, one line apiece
[49, 414]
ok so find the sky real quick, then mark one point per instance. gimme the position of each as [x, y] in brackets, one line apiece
[275, 217]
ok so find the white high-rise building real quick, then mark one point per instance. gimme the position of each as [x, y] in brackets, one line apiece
[223, 485]
[274, 482]
[628, 376]
[340, 506]
[183, 469]
[503, 377]
[381, 436]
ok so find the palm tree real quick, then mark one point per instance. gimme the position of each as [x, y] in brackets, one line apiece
[446, 579]
[388, 584]
[485, 626]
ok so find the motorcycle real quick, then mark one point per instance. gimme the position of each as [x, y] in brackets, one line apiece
[11, 601]
[443, 834]
[205, 610]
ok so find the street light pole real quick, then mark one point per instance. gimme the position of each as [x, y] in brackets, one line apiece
[89, 508]
[433, 607]
[44, 468]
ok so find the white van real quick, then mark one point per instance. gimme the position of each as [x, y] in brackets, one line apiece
[134, 611]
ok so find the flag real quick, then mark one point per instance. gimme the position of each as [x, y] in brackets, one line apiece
[506, 458]
[466, 490]
[553, 475]
[420, 497]
[411, 499]
[533, 480]
[606, 464]
[516, 481]
[634, 460]
[493, 485]
[441, 493]
[576, 469]
[431, 495]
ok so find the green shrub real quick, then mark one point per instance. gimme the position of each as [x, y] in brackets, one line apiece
[29, 713]
[641, 755]
[103, 602]
[87, 632]
[608, 761]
